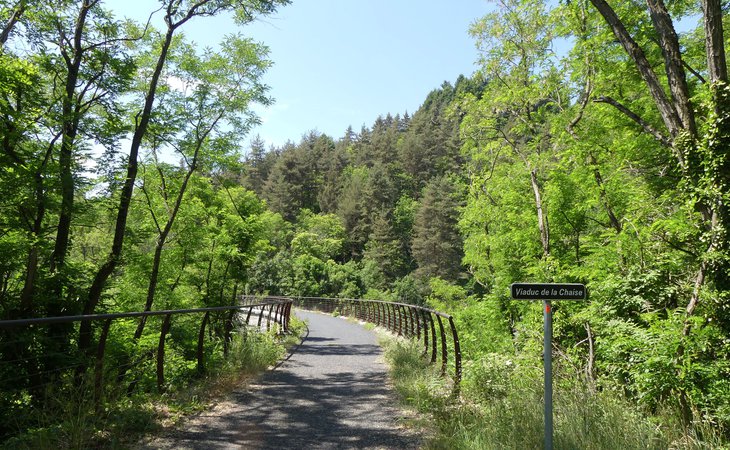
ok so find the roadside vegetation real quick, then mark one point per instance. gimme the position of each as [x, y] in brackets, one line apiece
[500, 407]
[69, 419]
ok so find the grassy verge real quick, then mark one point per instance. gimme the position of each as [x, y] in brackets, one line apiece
[69, 420]
[500, 407]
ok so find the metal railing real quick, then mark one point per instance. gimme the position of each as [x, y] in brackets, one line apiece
[403, 319]
[22, 342]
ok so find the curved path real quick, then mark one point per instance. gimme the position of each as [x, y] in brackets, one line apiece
[332, 392]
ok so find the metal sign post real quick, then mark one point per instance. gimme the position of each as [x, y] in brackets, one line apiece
[547, 292]
[547, 362]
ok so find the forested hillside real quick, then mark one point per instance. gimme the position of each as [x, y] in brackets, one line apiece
[592, 146]
[374, 213]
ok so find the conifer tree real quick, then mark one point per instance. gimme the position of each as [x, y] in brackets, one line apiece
[437, 245]
[384, 249]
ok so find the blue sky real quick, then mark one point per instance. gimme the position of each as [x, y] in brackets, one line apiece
[344, 62]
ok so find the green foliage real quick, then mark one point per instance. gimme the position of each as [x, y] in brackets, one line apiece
[190, 235]
[501, 407]
[573, 190]
[408, 290]
[320, 236]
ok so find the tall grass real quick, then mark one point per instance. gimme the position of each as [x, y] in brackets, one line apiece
[501, 407]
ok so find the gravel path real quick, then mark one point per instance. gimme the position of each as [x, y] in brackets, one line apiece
[331, 393]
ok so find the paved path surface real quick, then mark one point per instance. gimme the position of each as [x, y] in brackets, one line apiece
[331, 393]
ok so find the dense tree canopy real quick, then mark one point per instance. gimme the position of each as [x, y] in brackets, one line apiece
[94, 216]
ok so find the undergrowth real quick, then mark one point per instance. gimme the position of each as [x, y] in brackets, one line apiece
[68, 419]
[500, 407]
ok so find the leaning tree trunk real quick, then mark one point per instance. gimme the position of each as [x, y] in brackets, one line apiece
[541, 216]
[120, 227]
[12, 21]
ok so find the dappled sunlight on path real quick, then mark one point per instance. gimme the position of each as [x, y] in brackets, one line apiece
[332, 392]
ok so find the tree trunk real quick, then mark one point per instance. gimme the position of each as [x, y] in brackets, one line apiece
[31, 271]
[69, 130]
[114, 256]
[714, 41]
[541, 218]
[673, 65]
[12, 21]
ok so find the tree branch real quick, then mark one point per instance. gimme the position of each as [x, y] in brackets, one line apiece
[587, 89]
[636, 118]
[10, 24]
[694, 72]
[666, 109]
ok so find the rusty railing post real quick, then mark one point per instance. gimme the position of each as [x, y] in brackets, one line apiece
[288, 316]
[394, 318]
[278, 315]
[271, 317]
[227, 328]
[386, 315]
[281, 318]
[406, 321]
[457, 356]
[391, 317]
[161, 353]
[403, 320]
[261, 316]
[433, 338]
[414, 321]
[99, 366]
[444, 352]
[425, 332]
[268, 317]
[201, 338]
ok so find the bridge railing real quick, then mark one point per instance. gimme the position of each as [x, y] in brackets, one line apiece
[34, 354]
[436, 329]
